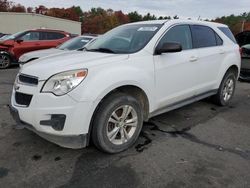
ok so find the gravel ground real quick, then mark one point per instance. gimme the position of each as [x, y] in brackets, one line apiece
[200, 145]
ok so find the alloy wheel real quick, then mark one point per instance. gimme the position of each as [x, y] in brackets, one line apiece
[122, 125]
[4, 61]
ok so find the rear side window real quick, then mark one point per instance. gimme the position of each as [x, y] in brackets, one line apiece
[179, 34]
[228, 33]
[203, 36]
[219, 41]
[51, 36]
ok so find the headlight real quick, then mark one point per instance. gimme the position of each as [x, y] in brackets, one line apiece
[62, 83]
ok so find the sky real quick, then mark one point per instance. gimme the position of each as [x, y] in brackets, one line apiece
[183, 8]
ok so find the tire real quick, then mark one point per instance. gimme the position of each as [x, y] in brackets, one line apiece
[110, 116]
[4, 61]
[226, 92]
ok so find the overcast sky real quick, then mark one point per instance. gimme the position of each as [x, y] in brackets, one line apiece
[183, 8]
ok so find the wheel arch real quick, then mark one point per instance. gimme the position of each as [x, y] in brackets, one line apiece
[132, 90]
[232, 67]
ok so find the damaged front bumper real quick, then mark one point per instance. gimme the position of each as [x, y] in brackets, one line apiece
[74, 142]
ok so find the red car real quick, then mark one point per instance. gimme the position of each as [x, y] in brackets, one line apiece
[17, 44]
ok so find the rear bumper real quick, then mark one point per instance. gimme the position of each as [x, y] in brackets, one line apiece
[74, 142]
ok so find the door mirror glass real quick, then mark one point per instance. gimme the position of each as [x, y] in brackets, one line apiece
[168, 47]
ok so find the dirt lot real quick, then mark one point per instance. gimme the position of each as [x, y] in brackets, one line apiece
[200, 145]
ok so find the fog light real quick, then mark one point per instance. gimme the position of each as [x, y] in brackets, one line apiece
[57, 121]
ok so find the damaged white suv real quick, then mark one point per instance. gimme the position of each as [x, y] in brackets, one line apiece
[132, 73]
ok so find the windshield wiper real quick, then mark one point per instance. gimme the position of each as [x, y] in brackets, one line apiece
[105, 50]
[83, 48]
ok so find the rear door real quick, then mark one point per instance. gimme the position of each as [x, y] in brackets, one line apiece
[210, 56]
[51, 39]
[175, 73]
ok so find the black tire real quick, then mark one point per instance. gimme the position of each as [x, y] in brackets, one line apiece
[219, 97]
[101, 122]
[5, 61]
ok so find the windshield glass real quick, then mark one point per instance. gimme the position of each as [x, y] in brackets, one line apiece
[125, 39]
[75, 43]
[14, 36]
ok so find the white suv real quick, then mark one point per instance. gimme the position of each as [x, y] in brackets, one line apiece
[130, 74]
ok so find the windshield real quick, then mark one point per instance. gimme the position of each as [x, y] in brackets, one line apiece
[125, 39]
[14, 36]
[75, 43]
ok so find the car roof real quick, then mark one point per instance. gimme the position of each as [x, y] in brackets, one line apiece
[52, 30]
[187, 21]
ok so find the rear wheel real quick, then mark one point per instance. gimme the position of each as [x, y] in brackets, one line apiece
[117, 123]
[226, 90]
[4, 61]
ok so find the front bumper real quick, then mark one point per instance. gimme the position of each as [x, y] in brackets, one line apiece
[74, 142]
[62, 120]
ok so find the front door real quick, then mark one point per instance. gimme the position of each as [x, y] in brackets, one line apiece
[175, 73]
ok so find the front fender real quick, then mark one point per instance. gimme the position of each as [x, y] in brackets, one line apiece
[101, 81]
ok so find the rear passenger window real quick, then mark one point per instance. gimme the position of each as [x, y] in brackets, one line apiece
[179, 34]
[51, 36]
[203, 36]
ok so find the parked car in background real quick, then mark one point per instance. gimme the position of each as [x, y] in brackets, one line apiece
[13, 46]
[130, 74]
[3, 36]
[243, 40]
[245, 62]
[72, 44]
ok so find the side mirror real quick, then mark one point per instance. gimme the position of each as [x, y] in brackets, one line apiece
[19, 40]
[168, 47]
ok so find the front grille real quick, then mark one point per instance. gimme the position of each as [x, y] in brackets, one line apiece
[23, 99]
[26, 79]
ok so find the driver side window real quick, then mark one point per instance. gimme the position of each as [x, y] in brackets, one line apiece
[30, 36]
[179, 34]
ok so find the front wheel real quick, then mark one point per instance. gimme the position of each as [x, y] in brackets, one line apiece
[4, 61]
[117, 123]
[226, 90]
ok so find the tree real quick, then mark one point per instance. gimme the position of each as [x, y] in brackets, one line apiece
[176, 17]
[17, 8]
[41, 9]
[235, 22]
[5, 5]
[134, 16]
[122, 18]
[30, 10]
[148, 16]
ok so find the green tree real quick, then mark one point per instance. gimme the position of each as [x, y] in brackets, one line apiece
[134, 16]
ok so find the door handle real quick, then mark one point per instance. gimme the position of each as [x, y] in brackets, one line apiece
[193, 59]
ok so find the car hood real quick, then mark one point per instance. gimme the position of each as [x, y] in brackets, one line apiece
[39, 54]
[6, 43]
[45, 67]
